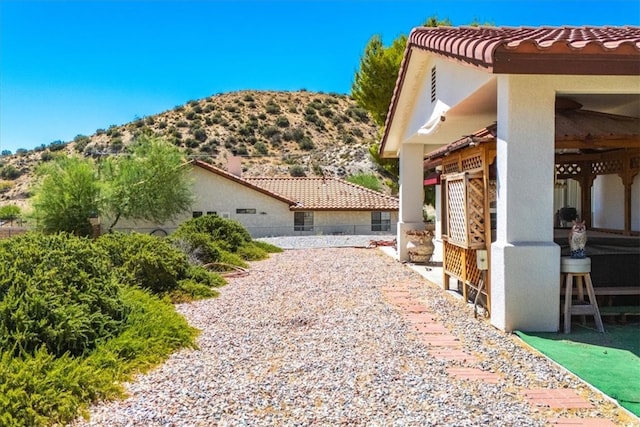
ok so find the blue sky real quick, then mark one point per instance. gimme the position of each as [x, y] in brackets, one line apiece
[71, 67]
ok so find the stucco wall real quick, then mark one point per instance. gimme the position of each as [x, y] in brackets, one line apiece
[608, 202]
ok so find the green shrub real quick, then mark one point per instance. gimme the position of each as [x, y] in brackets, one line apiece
[229, 258]
[56, 292]
[297, 171]
[190, 290]
[228, 234]
[261, 148]
[57, 145]
[369, 181]
[5, 186]
[10, 172]
[306, 144]
[251, 252]
[200, 246]
[272, 108]
[268, 247]
[9, 213]
[45, 156]
[282, 122]
[201, 275]
[146, 261]
[42, 389]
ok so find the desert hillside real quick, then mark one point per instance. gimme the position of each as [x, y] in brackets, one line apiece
[276, 134]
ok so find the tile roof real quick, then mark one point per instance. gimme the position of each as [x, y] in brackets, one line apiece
[526, 50]
[540, 50]
[312, 193]
[316, 193]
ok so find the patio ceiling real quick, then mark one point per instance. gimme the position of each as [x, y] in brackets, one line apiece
[577, 132]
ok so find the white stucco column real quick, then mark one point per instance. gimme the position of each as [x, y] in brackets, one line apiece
[411, 195]
[438, 250]
[525, 263]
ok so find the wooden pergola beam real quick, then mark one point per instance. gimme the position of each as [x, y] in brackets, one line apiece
[602, 143]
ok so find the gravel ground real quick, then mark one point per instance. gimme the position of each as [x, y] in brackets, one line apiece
[307, 338]
[328, 241]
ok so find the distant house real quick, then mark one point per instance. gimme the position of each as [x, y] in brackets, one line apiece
[283, 206]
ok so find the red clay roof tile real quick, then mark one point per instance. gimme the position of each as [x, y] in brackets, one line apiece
[317, 193]
[313, 193]
[494, 48]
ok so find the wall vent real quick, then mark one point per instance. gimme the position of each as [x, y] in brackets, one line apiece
[433, 85]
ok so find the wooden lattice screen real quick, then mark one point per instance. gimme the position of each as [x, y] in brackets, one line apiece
[465, 210]
[467, 192]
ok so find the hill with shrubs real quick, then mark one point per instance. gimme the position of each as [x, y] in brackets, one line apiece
[276, 133]
[78, 317]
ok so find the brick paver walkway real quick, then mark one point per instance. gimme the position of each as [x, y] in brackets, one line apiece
[442, 344]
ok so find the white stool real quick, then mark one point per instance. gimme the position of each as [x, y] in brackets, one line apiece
[580, 268]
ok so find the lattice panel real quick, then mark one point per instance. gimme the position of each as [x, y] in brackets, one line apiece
[453, 259]
[473, 274]
[568, 169]
[606, 167]
[635, 163]
[465, 210]
[472, 163]
[475, 212]
[456, 211]
[450, 167]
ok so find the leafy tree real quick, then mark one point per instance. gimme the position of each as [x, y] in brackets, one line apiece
[6, 153]
[67, 195]
[149, 184]
[374, 82]
[9, 213]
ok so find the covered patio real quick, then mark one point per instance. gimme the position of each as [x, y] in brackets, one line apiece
[454, 81]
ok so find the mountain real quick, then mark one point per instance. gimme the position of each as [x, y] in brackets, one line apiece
[276, 134]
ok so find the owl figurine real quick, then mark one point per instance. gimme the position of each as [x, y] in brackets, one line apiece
[578, 239]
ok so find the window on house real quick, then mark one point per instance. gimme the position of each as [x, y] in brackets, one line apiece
[303, 221]
[196, 214]
[380, 221]
[245, 211]
[212, 213]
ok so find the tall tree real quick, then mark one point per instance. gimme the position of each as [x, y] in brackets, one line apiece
[373, 87]
[9, 213]
[66, 196]
[150, 183]
[375, 80]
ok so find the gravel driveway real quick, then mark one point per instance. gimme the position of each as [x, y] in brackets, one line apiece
[309, 338]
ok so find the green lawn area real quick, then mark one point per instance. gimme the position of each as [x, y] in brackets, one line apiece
[610, 361]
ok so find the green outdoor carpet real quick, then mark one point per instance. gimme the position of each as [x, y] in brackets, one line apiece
[610, 361]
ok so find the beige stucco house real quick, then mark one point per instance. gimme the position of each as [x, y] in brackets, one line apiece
[454, 82]
[283, 206]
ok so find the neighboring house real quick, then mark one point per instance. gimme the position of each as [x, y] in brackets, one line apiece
[453, 83]
[284, 206]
